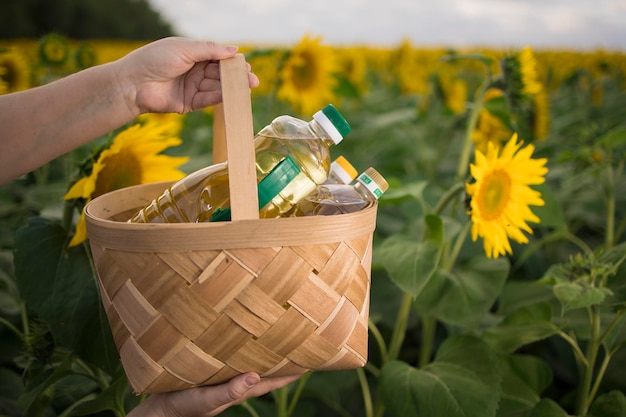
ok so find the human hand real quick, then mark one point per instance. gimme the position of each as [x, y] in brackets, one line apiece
[175, 75]
[209, 401]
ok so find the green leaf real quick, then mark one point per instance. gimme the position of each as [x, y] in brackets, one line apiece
[29, 398]
[464, 296]
[547, 408]
[551, 213]
[411, 264]
[112, 398]
[524, 378]
[518, 294]
[573, 295]
[611, 404]
[58, 284]
[614, 139]
[617, 282]
[414, 190]
[615, 339]
[555, 274]
[11, 388]
[463, 381]
[499, 109]
[526, 325]
[345, 87]
[453, 56]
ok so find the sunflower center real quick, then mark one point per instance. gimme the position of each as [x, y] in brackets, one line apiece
[120, 170]
[304, 74]
[494, 194]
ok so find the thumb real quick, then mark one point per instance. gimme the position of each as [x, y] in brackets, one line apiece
[234, 392]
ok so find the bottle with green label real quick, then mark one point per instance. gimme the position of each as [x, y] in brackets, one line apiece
[330, 199]
[204, 195]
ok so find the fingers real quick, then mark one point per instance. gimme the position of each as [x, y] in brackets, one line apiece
[270, 384]
[198, 51]
[212, 72]
[253, 80]
[250, 385]
[211, 400]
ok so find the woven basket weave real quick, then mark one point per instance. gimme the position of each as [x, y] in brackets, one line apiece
[197, 304]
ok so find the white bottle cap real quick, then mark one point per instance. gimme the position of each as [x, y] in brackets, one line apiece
[333, 123]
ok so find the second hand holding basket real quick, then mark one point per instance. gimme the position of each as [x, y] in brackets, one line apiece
[197, 304]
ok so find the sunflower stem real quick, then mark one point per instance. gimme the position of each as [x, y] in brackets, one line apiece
[367, 395]
[246, 405]
[296, 395]
[610, 209]
[380, 340]
[281, 397]
[470, 127]
[12, 328]
[429, 325]
[449, 196]
[456, 249]
[398, 332]
[584, 396]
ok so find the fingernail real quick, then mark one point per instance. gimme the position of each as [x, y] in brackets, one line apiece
[232, 48]
[251, 380]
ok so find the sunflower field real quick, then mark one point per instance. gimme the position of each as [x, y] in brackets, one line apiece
[498, 278]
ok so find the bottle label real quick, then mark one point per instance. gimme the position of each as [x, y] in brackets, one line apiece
[371, 185]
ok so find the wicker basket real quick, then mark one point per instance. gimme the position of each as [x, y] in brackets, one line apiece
[197, 304]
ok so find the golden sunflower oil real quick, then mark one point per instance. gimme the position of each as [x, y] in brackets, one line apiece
[204, 195]
[330, 199]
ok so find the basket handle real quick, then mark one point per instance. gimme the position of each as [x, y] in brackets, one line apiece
[233, 138]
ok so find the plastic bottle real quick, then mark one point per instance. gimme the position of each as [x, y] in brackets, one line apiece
[196, 197]
[329, 199]
[341, 172]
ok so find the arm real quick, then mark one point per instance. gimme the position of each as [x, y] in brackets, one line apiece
[169, 75]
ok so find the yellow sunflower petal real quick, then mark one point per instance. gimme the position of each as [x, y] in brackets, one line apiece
[133, 158]
[77, 190]
[81, 232]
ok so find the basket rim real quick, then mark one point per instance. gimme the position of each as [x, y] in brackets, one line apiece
[248, 233]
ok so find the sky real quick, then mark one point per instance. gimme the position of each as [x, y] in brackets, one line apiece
[571, 24]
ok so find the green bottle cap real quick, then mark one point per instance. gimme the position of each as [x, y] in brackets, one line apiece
[268, 188]
[333, 122]
[278, 178]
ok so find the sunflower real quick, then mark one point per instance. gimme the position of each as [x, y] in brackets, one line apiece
[455, 94]
[307, 76]
[264, 64]
[354, 67]
[489, 128]
[170, 123]
[501, 195]
[14, 70]
[541, 115]
[528, 69]
[133, 158]
[410, 69]
[85, 56]
[3, 85]
[54, 49]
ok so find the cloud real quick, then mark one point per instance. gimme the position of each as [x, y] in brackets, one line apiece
[539, 23]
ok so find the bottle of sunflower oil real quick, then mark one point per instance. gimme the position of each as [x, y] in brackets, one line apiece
[197, 197]
[330, 199]
[341, 172]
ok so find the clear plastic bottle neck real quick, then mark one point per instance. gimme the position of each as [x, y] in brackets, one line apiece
[320, 132]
